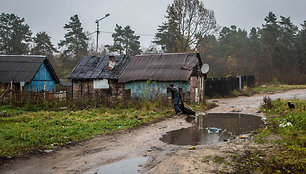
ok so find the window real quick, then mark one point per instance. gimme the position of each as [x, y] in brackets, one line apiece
[101, 84]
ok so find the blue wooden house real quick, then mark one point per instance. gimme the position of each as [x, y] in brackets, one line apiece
[27, 73]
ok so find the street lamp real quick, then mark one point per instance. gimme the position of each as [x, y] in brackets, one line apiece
[97, 21]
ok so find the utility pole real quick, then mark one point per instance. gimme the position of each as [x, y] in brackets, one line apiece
[98, 32]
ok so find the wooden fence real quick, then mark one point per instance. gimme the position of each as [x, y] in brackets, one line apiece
[17, 96]
[224, 86]
[35, 97]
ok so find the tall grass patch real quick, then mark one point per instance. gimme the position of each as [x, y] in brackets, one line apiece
[285, 134]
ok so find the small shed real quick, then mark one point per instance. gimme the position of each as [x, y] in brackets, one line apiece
[27, 72]
[97, 76]
[151, 74]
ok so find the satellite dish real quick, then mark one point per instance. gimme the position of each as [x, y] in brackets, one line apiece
[205, 68]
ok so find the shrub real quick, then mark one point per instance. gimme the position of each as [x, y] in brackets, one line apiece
[267, 103]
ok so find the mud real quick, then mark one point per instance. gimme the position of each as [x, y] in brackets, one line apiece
[88, 156]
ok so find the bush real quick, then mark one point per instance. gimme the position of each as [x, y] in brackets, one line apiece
[267, 103]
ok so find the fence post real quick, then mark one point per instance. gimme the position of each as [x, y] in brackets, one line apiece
[240, 88]
[44, 90]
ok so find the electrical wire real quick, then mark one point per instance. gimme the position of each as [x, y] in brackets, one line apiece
[139, 34]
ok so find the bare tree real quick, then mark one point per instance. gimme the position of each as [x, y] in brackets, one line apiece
[188, 21]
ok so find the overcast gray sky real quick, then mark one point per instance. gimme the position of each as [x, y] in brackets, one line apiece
[143, 16]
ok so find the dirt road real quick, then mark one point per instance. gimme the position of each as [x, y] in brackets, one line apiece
[87, 156]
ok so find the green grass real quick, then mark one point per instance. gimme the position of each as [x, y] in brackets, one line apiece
[269, 88]
[276, 88]
[202, 106]
[27, 129]
[218, 159]
[24, 131]
[288, 151]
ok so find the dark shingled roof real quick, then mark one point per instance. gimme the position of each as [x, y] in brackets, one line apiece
[22, 68]
[96, 67]
[161, 67]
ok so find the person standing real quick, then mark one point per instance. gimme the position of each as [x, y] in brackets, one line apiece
[176, 97]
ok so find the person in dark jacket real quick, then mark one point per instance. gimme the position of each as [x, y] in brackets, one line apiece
[176, 97]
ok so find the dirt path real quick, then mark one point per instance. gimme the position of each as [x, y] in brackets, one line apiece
[250, 105]
[87, 156]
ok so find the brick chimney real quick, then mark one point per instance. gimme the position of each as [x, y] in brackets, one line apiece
[111, 62]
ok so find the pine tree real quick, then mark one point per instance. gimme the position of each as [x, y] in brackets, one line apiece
[302, 49]
[75, 42]
[254, 40]
[207, 47]
[254, 50]
[43, 45]
[125, 41]
[118, 38]
[166, 37]
[234, 47]
[15, 35]
[288, 49]
[269, 51]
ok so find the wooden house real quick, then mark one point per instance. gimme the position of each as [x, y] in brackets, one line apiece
[150, 75]
[27, 73]
[97, 76]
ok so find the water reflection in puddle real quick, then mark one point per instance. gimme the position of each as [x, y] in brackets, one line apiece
[129, 166]
[213, 128]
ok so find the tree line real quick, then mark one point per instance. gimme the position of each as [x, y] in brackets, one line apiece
[274, 51]
[16, 39]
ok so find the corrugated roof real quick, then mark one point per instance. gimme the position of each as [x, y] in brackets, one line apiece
[160, 67]
[22, 68]
[96, 67]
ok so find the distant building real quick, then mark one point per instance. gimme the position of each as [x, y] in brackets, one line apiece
[151, 74]
[27, 72]
[97, 76]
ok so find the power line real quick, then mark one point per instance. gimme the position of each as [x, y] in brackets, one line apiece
[108, 32]
[139, 34]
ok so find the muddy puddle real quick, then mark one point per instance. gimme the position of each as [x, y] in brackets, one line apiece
[214, 128]
[129, 166]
